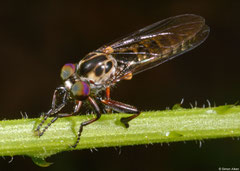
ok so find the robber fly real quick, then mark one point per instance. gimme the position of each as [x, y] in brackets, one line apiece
[101, 69]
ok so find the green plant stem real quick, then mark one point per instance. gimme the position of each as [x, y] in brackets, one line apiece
[17, 136]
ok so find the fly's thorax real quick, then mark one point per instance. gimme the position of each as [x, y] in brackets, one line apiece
[97, 68]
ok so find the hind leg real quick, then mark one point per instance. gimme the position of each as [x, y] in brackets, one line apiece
[122, 108]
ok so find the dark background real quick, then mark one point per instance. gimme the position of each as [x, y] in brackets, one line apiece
[38, 38]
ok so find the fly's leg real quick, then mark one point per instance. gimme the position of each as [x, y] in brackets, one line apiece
[126, 76]
[53, 109]
[107, 91]
[42, 122]
[122, 108]
[98, 115]
[76, 109]
[45, 118]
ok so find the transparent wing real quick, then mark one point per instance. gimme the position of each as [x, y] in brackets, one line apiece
[158, 43]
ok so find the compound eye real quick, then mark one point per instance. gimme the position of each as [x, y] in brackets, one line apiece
[80, 90]
[67, 71]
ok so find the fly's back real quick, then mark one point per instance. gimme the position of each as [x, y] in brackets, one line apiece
[97, 67]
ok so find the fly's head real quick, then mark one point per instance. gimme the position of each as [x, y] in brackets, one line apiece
[79, 90]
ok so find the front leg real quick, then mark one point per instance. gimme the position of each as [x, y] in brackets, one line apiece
[50, 112]
[61, 115]
[58, 91]
[98, 115]
[54, 109]
[122, 108]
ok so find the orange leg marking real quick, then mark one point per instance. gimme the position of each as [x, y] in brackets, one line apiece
[108, 92]
[108, 98]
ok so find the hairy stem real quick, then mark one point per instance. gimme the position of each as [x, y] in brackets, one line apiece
[17, 136]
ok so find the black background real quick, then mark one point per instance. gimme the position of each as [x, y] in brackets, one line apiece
[38, 38]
